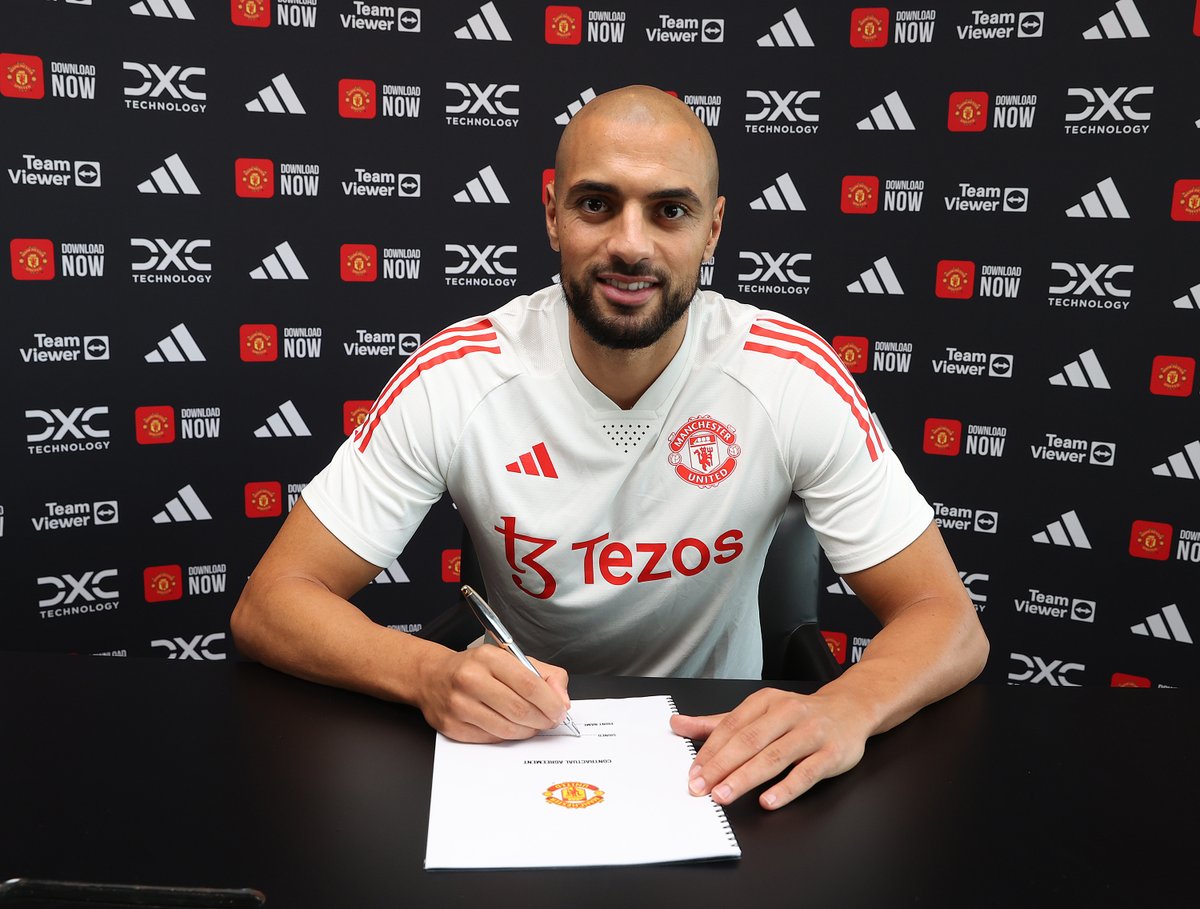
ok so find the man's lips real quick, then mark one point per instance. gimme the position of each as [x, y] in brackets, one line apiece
[626, 290]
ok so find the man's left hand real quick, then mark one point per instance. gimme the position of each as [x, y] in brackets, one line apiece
[816, 736]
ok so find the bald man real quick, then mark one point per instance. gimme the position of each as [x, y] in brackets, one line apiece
[621, 448]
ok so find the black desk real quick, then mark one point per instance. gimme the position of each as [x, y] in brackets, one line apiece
[232, 775]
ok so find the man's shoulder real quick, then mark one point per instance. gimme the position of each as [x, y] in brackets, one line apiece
[528, 313]
[509, 333]
[745, 337]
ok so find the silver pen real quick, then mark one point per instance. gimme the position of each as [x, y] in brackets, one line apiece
[492, 624]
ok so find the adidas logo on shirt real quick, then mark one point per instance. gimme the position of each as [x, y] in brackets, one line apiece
[1066, 531]
[162, 9]
[535, 463]
[1166, 625]
[878, 279]
[1085, 372]
[172, 178]
[1184, 464]
[284, 423]
[185, 506]
[891, 114]
[1124, 21]
[277, 98]
[575, 107]
[484, 188]
[486, 25]
[177, 347]
[790, 31]
[1103, 202]
[281, 265]
[783, 196]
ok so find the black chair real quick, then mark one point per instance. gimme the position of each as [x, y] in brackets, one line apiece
[788, 595]
[788, 599]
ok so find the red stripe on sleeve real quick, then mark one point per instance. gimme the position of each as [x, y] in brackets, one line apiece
[866, 425]
[368, 426]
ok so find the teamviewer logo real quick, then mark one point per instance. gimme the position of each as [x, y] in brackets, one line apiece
[87, 173]
[1016, 198]
[1030, 24]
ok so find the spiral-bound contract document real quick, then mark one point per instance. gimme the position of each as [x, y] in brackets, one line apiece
[616, 795]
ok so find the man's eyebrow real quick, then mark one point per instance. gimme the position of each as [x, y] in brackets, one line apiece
[678, 193]
[595, 186]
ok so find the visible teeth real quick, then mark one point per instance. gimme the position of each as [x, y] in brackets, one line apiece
[636, 285]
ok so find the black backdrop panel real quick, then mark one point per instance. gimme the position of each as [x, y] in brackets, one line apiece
[230, 222]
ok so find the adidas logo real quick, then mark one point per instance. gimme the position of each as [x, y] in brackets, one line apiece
[486, 25]
[535, 462]
[1126, 14]
[1166, 625]
[284, 423]
[841, 587]
[280, 266]
[162, 9]
[171, 178]
[1085, 372]
[484, 188]
[790, 31]
[575, 107]
[177, 347]
[277, 98]
[393, 574]
[878, 279]
[1090, 205]
[1066, 531]
[891, 114]
[186, 506]
[780, 197]
[1190, 300]
[1183, 464]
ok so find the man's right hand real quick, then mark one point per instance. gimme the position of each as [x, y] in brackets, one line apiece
[295, 615]
[485, 695]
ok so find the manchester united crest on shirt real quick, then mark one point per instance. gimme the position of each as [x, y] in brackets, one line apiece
[704, 451]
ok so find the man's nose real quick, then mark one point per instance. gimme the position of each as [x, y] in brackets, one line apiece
[630, 240]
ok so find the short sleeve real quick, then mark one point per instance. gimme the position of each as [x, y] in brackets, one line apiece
[383, 480]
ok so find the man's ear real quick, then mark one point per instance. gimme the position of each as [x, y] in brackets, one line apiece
[552, 217]
[714, 229]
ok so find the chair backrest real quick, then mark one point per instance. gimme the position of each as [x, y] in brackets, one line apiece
[788, 598]
[788, 595]
[456, 627]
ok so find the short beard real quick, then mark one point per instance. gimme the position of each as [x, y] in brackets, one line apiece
[626, 333]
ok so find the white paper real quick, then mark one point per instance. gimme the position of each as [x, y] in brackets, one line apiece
[617, 795]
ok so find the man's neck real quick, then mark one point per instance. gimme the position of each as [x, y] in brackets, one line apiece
[624, 375]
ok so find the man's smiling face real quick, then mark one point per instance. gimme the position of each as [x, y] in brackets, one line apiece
[633, 212]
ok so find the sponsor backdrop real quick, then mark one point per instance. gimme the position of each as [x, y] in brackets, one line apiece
[230, 222]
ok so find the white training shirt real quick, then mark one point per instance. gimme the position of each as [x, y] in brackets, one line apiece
[624, 541]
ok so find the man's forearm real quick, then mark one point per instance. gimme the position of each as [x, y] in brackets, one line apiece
[930, 650]
[301, 627]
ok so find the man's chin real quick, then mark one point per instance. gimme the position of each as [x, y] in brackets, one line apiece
[617, 326]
